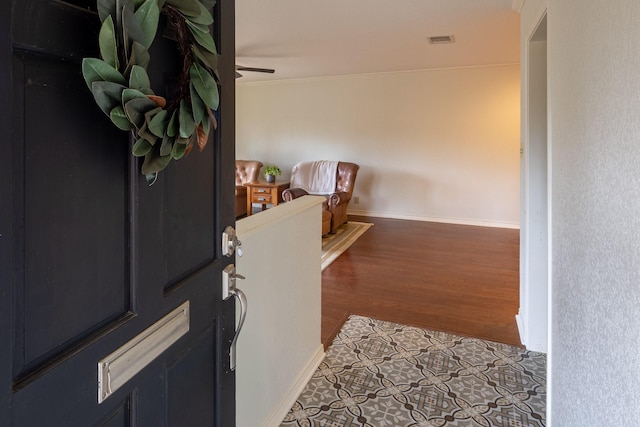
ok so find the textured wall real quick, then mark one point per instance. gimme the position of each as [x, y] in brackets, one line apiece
[594, 83]
[434, 145]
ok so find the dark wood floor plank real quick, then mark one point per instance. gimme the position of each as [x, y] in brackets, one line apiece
[454, 278]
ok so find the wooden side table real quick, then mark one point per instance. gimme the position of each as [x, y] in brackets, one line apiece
[265, 193]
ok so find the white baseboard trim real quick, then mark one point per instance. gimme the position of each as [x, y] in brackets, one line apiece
[530, 342]
[280, 411]
[460, 221]
[520, 324]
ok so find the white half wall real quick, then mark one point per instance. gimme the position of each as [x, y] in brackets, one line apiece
[279, 346]
[439, 145]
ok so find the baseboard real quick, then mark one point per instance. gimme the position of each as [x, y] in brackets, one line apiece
[520, 324]
[280, 411]
[460, 221]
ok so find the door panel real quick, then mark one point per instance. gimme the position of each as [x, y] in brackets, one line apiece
[91, 255]
[192, 371]
[49, 18]
[53, 177]
[119, 417]
[190, 203]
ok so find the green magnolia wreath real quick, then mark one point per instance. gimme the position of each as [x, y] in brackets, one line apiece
[121, 87]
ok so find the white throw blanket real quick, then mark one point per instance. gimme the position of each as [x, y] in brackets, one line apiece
[317, 177]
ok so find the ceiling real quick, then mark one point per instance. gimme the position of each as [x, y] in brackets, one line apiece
[305, 38]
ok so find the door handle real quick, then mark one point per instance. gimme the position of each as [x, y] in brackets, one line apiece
[229, 289]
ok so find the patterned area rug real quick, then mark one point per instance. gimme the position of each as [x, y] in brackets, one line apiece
[333, 245]
[382, 374]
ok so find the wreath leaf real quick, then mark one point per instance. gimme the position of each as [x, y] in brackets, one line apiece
[210, 60]
[171, 127]
[106, 8]
[203, 18]
[107, 95]
[120, 119]
[139, 56]
[125, 40]
[131, 26]
[158, 124]
[136, 109]
[107, 43]
[160, 101]
[197, 105]
[178, 151]
[154, 163]
[149, 115]
[128, 94]
[146, 134]
[139, 79]
[202, 137]
[166, 146]
[141, 147]
[148, 15]
[205, 85]
[202, 36]
[186, 7]
[213, 120]
[187, 125]
[206, 125]
[208, 3]
[94, 69]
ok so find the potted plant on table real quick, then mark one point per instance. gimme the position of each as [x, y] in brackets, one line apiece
[270, 173]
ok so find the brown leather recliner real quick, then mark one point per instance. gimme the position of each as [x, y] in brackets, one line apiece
[246, 171]
[337, 201]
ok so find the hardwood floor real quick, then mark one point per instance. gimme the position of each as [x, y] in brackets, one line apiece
[454, 278]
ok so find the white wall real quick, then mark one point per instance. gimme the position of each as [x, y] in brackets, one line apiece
[534, 254]
[432, 145]
[594, 105]
[279, 346]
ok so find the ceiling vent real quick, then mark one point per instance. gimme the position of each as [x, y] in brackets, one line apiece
[441, 39]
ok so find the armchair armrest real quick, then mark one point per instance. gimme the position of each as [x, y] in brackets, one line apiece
[293, 193]
[336, 199]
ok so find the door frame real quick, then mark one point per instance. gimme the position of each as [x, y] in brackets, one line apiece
[225, 29]
[535, 182]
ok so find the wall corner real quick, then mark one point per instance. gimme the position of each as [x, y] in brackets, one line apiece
[517, 5]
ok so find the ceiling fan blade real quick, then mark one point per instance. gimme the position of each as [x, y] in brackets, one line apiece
[257, 70]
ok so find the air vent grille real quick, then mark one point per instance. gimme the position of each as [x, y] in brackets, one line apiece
[441, 39]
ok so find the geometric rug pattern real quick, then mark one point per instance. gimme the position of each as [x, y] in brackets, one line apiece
[382, 374]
